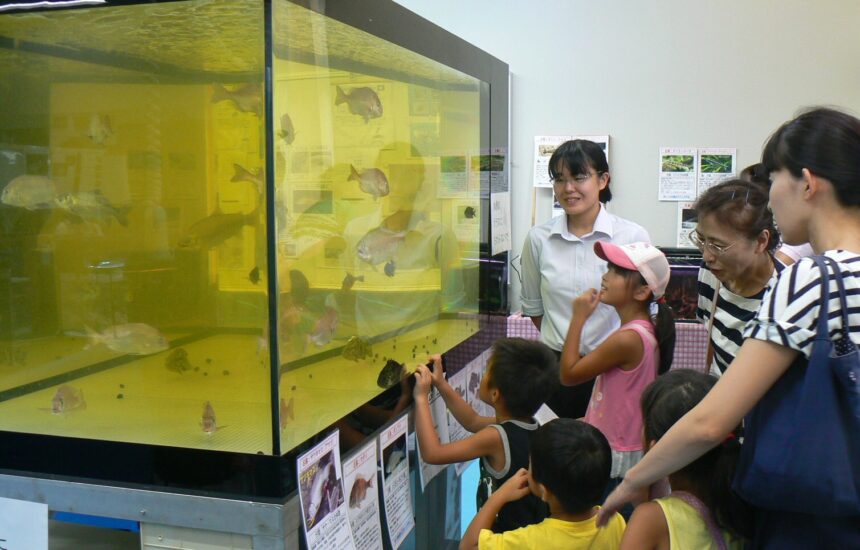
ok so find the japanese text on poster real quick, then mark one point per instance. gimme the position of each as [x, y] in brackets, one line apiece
[359, 474]
[321, 496]
[677, 174]
[396, 496]
[438, 414]
[545, 146]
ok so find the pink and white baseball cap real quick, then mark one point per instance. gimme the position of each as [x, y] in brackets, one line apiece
[642, 257]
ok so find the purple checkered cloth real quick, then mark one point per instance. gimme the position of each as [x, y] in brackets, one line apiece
[691, 341]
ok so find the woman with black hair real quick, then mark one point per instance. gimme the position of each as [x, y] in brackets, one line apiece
[559, 262]
[814, 162]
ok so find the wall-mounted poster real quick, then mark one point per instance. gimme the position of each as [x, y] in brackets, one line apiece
[321, 496]
[716, 165]
[396, 496]
[362, 488]
[545, 146]
[688, 219]
[677, 174]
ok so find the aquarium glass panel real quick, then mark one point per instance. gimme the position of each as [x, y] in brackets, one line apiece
[140, 147]
[377, 169]
[132, 225]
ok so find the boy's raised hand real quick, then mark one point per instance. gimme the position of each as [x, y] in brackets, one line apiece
[437, 374]
[515, 488]
[585, 304]
[423, 381]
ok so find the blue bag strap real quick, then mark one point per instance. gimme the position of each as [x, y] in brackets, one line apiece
[822, 333]
[843, 302]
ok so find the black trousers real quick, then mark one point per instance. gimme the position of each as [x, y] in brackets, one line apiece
[571, 401]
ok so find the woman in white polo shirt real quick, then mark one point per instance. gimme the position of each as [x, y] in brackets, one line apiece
[559, 263]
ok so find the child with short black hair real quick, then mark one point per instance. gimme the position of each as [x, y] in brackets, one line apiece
[702, 511]
[521, 375]
[569, 470]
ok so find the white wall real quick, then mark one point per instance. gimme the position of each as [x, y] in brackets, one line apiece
[721, 73]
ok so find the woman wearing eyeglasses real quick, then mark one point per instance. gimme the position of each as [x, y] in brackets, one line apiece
[737, 237]
[797, 395]
[559, 262]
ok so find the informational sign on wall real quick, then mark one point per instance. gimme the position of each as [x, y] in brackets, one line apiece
[321, 496]
[677, 173]
[438, 414]
[687, 172]
[715, 165]
[545, 146]
[396, 496]
[688, 219]
[23, 525]
[500, 217]
[360, 481]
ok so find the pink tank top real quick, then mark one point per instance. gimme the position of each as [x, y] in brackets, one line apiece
[614, 405]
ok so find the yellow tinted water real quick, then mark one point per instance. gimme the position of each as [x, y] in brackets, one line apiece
[119, 112]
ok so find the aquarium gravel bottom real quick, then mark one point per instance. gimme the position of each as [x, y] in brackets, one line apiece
[141, 401]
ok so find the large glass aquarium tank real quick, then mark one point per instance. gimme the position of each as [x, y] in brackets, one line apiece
[226, 225]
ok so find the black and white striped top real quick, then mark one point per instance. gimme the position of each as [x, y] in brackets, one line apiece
[733, 314]
[790, 310]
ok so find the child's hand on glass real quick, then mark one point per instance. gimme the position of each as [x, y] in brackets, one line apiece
[423, 381]
[515, 488]
[437, 374]
[585, 304]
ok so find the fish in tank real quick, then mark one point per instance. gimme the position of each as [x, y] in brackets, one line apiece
[172, 225]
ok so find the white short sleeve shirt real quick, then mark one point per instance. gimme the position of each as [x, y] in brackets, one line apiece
[558, 266]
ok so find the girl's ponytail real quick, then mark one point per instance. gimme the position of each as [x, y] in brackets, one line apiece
[731, 512]
[664, 327]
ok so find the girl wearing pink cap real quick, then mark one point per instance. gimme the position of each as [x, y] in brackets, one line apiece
[632, 357]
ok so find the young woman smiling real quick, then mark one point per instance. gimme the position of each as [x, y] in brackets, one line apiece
[559, 263]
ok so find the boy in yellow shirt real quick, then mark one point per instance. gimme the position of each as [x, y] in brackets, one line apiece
[569, 468]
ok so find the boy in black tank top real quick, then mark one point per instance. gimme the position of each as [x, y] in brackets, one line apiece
[521, 374]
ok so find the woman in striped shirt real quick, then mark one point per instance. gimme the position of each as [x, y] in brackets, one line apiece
[737, 238]
[814, 161]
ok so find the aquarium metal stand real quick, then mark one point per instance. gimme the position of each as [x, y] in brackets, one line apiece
[164, 516]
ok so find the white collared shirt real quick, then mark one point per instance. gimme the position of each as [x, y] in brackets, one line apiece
[558, 266]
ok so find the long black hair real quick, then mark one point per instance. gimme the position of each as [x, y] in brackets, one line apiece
[824, 141]
[663, 403]
[664, 320]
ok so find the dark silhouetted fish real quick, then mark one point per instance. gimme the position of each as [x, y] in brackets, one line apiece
[349, 281]
[254, 275]
[357, 348]
[469, 212]
[299, 287]
[287, 132]
[177, 361]
[217, 228]
[361, 101]
[247, 98]
[242, 174]
[372, 181]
